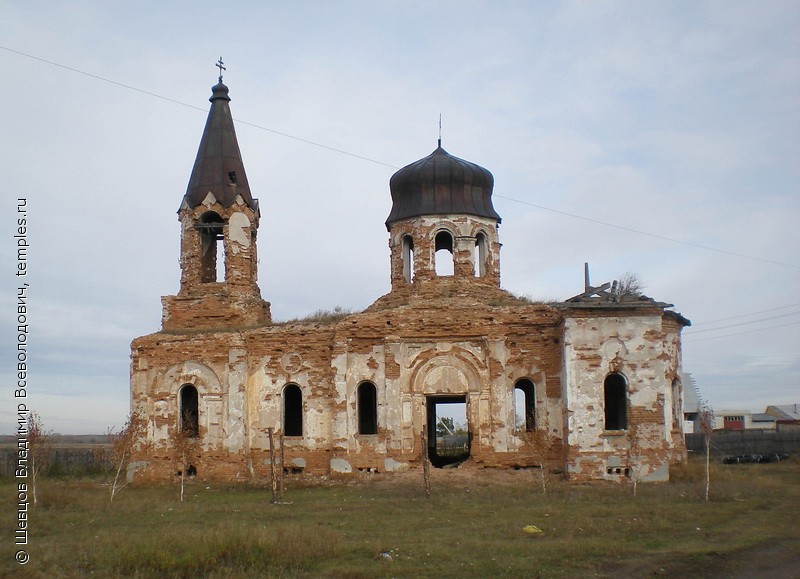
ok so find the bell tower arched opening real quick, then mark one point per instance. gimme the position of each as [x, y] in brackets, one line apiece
[408, 258]
[212, 247]
[219, 218]
[445, 205]
[444, 260]
[480, 254]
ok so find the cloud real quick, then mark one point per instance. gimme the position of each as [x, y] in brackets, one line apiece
[676, 119]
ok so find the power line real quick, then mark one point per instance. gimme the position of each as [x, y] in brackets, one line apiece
[177, 102]
[740, 333]
[693, 332]
[364, 158]
[334, 149]
[108, 80]
[655, 235]
[744, 315]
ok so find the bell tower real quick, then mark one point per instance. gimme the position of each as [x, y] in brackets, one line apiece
[219, 220]
[442, 224]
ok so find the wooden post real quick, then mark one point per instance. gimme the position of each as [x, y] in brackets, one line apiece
[273, 478]
[425, 466]
[708, 462]
[283, 465]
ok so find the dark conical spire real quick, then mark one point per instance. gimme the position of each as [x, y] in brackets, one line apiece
[218, 168]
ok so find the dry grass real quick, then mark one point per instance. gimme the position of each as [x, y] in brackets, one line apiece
[383, 526]
[519, 299]
[322, 317]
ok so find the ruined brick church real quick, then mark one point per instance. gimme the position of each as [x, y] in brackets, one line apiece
[596, 378]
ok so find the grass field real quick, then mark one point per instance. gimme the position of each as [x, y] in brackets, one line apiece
[472, 526]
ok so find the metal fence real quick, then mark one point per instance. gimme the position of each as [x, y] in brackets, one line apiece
[737, 442]
[62, 460]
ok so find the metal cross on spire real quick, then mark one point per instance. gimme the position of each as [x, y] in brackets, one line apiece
[219, 64]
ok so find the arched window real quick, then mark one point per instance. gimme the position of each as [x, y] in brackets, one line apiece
[292, 410]
[444, 258]
[480, 255]
[615, 394]
[211, 252]
[408, 258]
[367, 408]
[677, 411]
[189, 418]
[525, 405]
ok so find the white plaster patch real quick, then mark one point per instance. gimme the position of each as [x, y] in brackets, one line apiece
[341, 466]
[645, 395]
[446, 379]
[209, 199]
[161, 408]
[391, 465]
[661, 474]
[613, 348]
[407, 412]
[238, 226]
[133, 467]
[236, 355]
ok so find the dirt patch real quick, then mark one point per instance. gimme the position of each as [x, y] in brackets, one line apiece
[778, 561]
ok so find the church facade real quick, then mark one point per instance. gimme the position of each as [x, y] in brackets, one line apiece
[590, 386]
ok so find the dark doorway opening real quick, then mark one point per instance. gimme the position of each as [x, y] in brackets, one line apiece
[189, 411]
[367, 408]
[292, 410]
[448, 438]
[616, 402]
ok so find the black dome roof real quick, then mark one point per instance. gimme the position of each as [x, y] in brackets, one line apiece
[440, 184]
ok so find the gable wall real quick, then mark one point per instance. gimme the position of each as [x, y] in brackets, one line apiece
[642, 349]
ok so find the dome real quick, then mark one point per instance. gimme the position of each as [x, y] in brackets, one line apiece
[441, 184]
[219, 91]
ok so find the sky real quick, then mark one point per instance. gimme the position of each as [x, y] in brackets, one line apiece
[655, 138]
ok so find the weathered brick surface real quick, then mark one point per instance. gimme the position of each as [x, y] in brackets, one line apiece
[447, 336]
[456, 335]
[642, 346]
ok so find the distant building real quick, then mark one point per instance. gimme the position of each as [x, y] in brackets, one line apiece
[691, 404]
[743, 420]
[787, 417]
[784, 412]
[599, 375]
[763, 421]
[728, 419]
